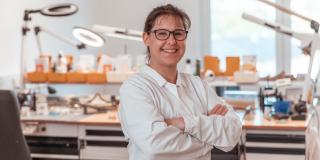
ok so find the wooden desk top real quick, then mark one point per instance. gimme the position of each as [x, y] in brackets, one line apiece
[253, 122]
[109, 118]
[258, 122]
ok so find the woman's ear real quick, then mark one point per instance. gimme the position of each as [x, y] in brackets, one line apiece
[146, 38]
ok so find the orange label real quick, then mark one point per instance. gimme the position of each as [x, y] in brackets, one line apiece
[107, 68]
[39, 68]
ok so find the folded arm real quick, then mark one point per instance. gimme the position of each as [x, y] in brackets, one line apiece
[145, 126]
[220, 128]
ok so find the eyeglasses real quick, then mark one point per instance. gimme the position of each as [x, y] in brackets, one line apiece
[163, 34]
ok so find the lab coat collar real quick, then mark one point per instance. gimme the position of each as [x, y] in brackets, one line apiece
[180, 81]
[159, 79]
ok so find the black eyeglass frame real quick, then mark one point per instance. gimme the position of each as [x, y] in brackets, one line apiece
[170, 32]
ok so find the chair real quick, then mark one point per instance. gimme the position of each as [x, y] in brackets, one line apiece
[13, 145]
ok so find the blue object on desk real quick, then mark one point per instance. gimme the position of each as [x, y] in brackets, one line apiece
[282, 107]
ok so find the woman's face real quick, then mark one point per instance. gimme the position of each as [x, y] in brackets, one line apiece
[165, 53]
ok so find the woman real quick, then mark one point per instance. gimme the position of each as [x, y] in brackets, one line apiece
[166, 114]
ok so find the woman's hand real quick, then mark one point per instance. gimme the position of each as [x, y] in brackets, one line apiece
[177, 122]
[219, 109]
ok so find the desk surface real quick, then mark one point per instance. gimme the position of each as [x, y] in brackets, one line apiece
[109, 118]
[250, 122]
[258, 122]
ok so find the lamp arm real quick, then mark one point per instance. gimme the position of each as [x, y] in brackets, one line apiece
[307, 79]
[313, 24]
[304, 38]
[314, 46]
[65, 40]
[281, 8]
[25, 29]
[272, 25]
[310, 43]
[36, 32]
[116, 32]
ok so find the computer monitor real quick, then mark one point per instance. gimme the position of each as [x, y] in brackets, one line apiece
[13, 145]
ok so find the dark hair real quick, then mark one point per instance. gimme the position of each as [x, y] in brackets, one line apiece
[167, 9]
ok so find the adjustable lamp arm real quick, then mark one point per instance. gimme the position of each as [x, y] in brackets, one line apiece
[313, 24]
[310, 43]
[313, 47]
[38, 29]
[121, 33]
[272, 25]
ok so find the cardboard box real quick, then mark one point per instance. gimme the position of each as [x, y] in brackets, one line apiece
[212, 63]
[57, 77]
[37, 77]
[232, 65]
[97, 78]
[76, 77]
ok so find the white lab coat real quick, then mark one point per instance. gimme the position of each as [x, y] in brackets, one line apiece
[313, 135]
[146, 101]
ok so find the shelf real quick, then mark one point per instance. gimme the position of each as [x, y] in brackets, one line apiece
[73, 78]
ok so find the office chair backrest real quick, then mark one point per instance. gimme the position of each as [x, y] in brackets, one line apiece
[12, 142]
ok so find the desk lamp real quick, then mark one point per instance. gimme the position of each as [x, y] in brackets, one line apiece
[310, 43]
[88, 37]
[38, 29]
[313, 24]
[121, 33]
[56, 10]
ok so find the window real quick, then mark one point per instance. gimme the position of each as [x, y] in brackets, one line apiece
[231, 35]
[310, 9]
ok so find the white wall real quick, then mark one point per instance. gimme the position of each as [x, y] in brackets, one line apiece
[11, 12]
[119, 13]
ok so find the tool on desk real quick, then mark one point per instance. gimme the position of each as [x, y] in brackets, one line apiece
[300, 111]
[27, 97]
[97, 95]
[281, 109]
[99, 104]
[249, 113]
[268, 96]
[273, 104]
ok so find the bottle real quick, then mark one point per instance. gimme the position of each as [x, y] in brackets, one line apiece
[41, 104]
[39, 65]
[61, 64]
[188, 67]
[198, 67]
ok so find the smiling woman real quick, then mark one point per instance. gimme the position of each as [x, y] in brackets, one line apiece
[166, 50]
[173, 115]
[178, 22]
